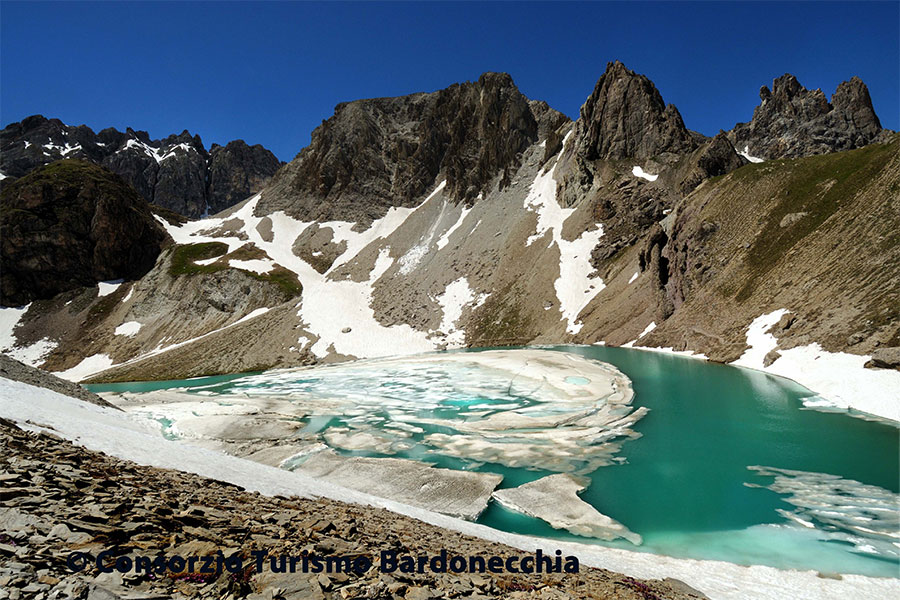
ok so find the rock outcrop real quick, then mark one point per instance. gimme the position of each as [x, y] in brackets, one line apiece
[237, 170]
[375, 154]
[625, 117]
[176, 173]
[71, 224]
[792, 121]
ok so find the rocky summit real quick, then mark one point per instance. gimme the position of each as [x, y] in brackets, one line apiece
[384, 152]
[176, 173]
[793, 121]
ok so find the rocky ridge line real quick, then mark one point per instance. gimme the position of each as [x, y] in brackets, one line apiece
[176, 173]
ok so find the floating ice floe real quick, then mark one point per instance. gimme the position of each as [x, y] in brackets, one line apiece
[842, 510]
[554, 499]
[461, 494]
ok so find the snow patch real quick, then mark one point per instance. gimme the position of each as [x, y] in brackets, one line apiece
[257, 265]
[639, 172]
[108, 287]
[87, 367]
[456, 296]
[746, 154]
[648, 329]
[575, 287]
[840, 378]
[128, 329]
[445, 238]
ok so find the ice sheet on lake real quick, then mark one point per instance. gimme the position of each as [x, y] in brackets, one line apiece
[462, 494]
[536, 409]
[554, 499]
[843, 510]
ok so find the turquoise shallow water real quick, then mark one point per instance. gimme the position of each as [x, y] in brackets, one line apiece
[683, 483]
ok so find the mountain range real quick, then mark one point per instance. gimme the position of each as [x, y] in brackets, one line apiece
[470, 216]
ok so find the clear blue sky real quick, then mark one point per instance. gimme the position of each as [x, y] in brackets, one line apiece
[271, 72]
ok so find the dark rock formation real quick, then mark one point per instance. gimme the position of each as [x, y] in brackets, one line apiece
[716, 157]
[792, 121]
[384, 152]
[885, 358]
[236, 171]
[625, 117]
[71, 224]
[175, 173]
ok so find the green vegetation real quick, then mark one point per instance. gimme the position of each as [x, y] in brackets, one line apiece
[816, 185]
[184, 258]
[286, 280]
[183, 262]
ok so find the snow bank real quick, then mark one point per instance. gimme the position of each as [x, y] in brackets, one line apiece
[840, 379]
[639, 172]
[746, 154]
[575, 288]
[128, 329]
[115, 433]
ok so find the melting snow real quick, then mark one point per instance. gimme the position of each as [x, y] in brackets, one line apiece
[639, 172]
[574, 286]
[117, 434]
[108, 287]
[746, 154]
[87, 367]
[445, 238]
[128, 329]
[840, 378]
[457, 295]
[256, 265]
[648, 329]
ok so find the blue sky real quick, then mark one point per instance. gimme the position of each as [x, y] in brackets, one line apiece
[271, 72]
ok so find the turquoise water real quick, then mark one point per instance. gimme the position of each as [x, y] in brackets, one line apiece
[683, 483]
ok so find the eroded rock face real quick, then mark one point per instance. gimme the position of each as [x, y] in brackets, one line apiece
[717, 157]
[236, 171]
[176, 172]
[384, 152]
[792, 121]
[70, 224]
[625, 117]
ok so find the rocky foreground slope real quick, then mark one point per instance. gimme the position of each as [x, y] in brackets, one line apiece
[58, 498]
[177, 173]
[473, 216]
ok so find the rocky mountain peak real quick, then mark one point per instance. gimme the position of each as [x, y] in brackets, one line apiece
[792, 121]
[625, 116]
[383, 152]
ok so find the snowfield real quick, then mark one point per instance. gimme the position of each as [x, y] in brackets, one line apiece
[839, 378]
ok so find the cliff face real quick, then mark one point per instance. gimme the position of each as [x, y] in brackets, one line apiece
[176, 173]
[386, 152]
[792, 121]
[71, 224]
[625, 117]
